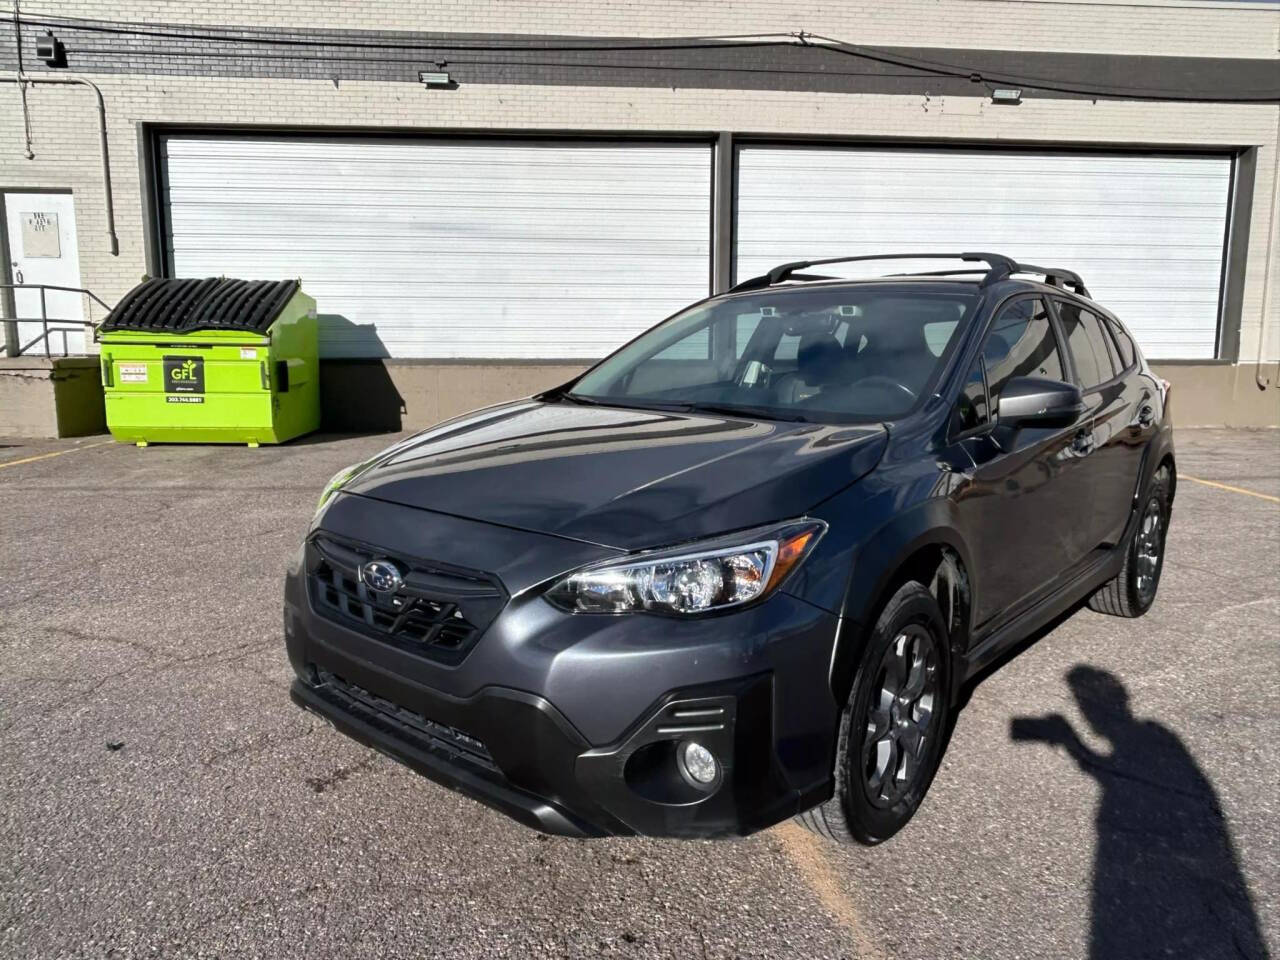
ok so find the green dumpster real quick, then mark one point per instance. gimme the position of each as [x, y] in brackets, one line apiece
[211, 361]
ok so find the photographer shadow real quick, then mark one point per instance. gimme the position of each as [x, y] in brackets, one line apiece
[1166, 879]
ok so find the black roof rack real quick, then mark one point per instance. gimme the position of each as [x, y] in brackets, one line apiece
[1057, 277]
[166, 305]
[998, 267]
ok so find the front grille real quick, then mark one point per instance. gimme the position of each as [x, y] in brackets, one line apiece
[438, 612]
[457, 742]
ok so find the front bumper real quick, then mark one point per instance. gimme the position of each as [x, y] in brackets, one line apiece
[570, 723]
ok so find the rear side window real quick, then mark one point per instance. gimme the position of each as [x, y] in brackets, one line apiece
[1090, 345]
[1019, 344]
[1128, 354]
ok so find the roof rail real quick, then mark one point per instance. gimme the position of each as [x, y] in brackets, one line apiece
[999, 267]
[1056, 277]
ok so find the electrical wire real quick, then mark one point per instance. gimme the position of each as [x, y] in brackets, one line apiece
[1038, 83]
[453, 61]
[789, 34]
[654, 44]
[560, 44]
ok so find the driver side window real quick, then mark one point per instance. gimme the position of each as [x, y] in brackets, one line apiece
[1020, 343]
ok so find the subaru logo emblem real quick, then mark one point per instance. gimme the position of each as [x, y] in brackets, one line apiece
[382, 576]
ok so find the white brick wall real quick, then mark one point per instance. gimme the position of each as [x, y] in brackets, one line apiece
[1172, 27]
[66, 144]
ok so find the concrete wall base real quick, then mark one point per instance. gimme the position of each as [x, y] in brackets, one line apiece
[57, 397]
[376, 395]
[62, 397]
[358, 395]
[1223, 394]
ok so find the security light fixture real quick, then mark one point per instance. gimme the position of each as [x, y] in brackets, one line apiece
[1008, 96]
[50, 49]
[431, 78]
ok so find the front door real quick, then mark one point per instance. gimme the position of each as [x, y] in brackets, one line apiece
[1027, 491]
[40, 229]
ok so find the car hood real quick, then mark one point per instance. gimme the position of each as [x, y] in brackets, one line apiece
[619, 477]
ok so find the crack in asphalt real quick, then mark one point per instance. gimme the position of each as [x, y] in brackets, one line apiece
[340, 775]
[256, 745]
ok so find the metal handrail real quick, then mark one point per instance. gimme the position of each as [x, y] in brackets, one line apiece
[11, 343]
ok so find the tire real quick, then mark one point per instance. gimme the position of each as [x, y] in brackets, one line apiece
[869, 805]
[1133, 590]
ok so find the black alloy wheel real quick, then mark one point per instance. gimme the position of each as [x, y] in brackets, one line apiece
[900, 719]
[894, 727]
[1148, 551]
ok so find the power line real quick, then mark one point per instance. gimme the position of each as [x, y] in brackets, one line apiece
[658, 44]
[561, 45]
[453, 61]
[1039, 83]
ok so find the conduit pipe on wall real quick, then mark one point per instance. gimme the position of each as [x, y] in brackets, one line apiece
[1266, 272]
[22, 87]
[102, 142]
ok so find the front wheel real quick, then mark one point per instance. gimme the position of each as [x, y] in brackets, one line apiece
[1133, 590]
[893, 728]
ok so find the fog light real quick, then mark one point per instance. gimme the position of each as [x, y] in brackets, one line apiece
[698, 762]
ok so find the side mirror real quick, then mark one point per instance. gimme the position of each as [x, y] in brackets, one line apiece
[1035, 401]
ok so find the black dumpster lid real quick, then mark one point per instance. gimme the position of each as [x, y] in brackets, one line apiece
[214, 303]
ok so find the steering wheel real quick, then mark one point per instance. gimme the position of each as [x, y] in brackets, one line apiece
[883, 381]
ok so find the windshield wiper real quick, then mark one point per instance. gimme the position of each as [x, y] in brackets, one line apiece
[735, 410]
[574, 398]
[621, 404]
[759, 413]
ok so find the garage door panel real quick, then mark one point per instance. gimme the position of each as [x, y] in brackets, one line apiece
[1145, 232]
[452, 248]
[383, 324]
[479, 267]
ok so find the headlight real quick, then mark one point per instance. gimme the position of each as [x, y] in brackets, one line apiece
[693, 578]
[340, 480]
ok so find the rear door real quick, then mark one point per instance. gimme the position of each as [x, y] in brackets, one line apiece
[1020, 510]
[1120, 409]
[41, 236]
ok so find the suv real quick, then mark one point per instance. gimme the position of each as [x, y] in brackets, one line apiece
[741, 569]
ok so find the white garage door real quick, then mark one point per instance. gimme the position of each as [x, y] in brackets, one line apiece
[1145, 232]
[451, 248]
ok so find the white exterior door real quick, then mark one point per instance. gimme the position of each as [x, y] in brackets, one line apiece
[451, 248]
[41, 231]
[1145, 232]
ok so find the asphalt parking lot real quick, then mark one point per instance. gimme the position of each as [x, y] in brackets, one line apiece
[141, 606]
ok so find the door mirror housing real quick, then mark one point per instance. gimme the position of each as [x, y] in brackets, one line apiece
[1036, 401]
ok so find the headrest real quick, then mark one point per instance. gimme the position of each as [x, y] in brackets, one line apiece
[818, 358]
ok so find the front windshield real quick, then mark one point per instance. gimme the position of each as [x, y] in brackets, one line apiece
[825, 354]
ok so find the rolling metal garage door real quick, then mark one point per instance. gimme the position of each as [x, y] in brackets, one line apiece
[1146, 232]
[451, 248]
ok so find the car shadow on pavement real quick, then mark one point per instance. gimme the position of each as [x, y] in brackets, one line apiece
[1166, 878]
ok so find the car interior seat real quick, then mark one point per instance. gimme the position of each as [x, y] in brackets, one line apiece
[819, 364]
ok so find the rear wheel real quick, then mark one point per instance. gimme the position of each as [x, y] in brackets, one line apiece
[892, 730]
[1133, 590]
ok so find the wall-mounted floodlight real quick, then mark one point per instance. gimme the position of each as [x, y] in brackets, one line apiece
[50, 49]
[435, 78]
[1008, 96]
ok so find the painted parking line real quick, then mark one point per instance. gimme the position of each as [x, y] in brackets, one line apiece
[55, 453]
[1227, 486]
[807, 852]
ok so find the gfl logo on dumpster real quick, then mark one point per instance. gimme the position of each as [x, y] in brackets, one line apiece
[184, 374]
[187, 371]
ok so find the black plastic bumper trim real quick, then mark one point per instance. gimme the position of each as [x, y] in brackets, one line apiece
[401, 743]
